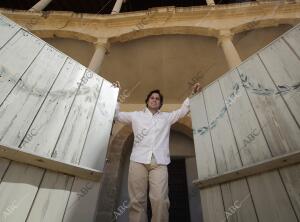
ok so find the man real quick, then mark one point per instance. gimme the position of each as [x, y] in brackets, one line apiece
[150, 156]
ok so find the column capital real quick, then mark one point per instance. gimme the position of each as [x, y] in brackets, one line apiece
[224, 34]
[102, 43]
[231, 54]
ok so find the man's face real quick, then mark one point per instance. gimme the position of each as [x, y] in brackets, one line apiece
[154, 101]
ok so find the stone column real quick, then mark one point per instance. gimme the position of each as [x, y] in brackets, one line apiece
[117, 7]
[210, 2]
[232, 57]
[101, 48]
[41, 5]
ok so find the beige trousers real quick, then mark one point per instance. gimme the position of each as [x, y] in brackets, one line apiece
[138, 177]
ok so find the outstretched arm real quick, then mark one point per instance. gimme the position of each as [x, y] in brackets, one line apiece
[185, 107]
[123, 117]
[175, 115]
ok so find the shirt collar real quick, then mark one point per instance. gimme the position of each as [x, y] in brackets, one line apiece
[146, 110]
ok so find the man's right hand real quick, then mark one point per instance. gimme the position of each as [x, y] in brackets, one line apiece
[117, 84]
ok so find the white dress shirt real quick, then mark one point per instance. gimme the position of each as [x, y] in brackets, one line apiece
[151, 132]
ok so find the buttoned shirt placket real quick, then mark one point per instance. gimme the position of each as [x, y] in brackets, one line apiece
[153, 125]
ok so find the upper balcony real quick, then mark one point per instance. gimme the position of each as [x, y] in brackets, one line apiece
[106, 6]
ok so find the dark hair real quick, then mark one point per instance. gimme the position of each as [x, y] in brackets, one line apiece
[160, 96]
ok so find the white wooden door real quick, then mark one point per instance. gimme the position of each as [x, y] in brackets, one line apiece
[52, 106]
[243, 123]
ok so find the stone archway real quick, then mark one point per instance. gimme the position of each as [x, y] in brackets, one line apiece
[112, 172]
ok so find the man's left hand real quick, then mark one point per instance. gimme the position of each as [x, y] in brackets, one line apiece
[196, 88]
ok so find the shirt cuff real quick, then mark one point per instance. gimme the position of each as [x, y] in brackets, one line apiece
[117, 110]
[118, 106]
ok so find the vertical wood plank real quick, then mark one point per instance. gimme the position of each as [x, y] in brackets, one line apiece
[206, 164]
[3, 166]
[212, 204]
[49, 204]
[95, 148]
[270, 198]
[7, 29]
[16, 191]
[291, 179]
[238, 201]
[293, 38]
[227, 155]
[211, 198]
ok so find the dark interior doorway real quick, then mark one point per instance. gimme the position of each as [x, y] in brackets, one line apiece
[178, 193]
